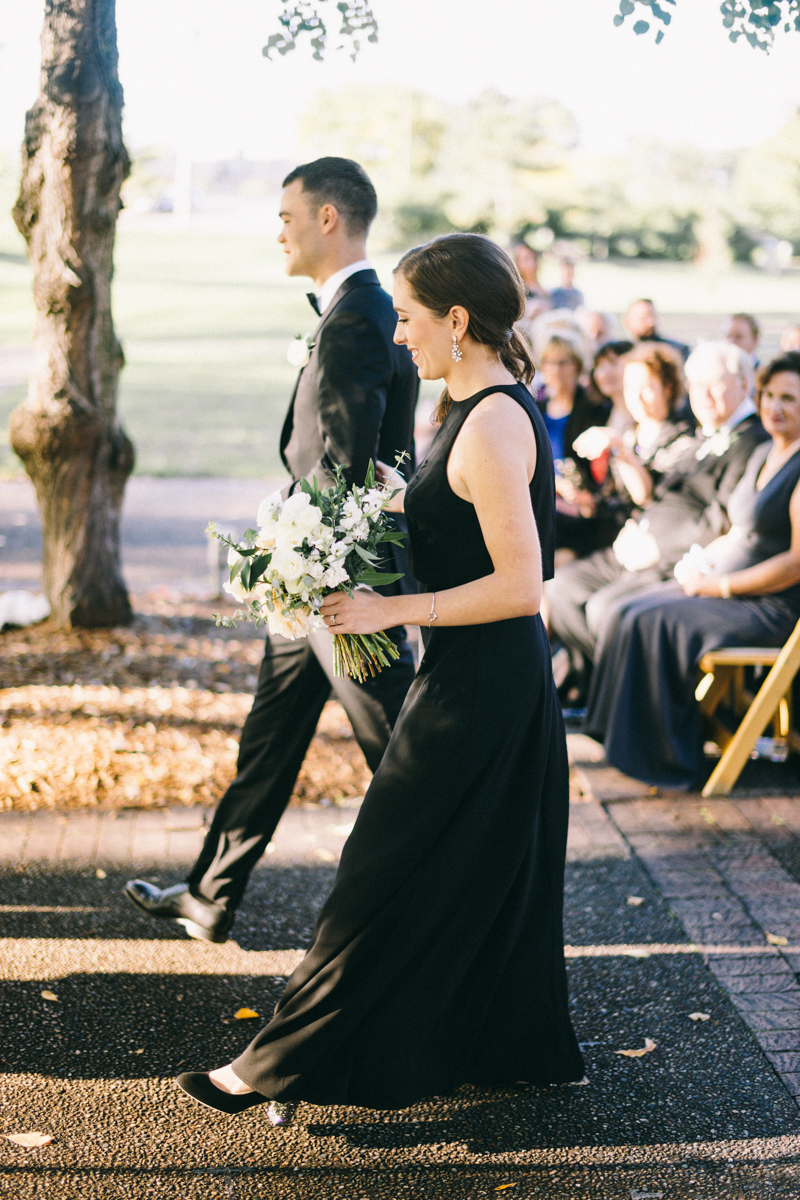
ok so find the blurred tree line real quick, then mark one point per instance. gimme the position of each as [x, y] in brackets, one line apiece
[513, 169]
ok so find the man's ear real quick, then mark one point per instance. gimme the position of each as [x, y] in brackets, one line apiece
[328, 217]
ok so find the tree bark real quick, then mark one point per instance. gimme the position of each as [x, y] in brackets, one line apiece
[67, 432]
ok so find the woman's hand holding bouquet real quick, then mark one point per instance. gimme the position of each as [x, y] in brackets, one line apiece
[318, 542]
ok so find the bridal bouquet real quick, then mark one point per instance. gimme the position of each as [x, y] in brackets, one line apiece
[318, 541]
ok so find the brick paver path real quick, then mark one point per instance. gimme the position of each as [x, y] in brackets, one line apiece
[736, 901]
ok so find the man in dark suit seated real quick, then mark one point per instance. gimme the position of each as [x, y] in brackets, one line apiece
[354, 401]
[641, 323]
[586, 597]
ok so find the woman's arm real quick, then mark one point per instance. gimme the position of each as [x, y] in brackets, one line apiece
[491, 465]
[772, 575]
[634, 474]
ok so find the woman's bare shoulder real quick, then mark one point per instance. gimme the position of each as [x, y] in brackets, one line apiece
[498, 414]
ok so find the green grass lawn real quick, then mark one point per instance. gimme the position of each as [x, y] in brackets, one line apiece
[205, 321]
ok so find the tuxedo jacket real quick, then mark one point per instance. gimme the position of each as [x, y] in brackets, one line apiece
[690, 502]
[354, 400]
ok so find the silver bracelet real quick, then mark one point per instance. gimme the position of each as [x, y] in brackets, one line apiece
[432, 615]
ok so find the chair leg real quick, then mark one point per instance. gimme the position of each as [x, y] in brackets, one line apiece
[757, 717]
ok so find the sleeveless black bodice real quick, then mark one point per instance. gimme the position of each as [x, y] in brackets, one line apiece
[761, 525]
[446, 544]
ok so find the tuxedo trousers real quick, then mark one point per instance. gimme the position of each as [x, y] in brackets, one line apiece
[295, 681]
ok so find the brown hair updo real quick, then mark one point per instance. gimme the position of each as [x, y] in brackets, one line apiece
[471, 271]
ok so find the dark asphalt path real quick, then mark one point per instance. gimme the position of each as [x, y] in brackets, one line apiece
[703, 1115]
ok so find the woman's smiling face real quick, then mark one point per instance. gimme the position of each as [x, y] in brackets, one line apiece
[780, 406]
[429, 338]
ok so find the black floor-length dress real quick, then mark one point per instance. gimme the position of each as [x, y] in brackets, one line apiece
[437, 959]
[641, 703]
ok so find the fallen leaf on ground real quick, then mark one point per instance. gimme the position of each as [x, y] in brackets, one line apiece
[635, 900]
[100, 873]
[29, 1140]
[649, 1045]
[503, 1187]
[49, 996]
[699, 1016]
[776, 939]
[325, 855]
[242, 1014]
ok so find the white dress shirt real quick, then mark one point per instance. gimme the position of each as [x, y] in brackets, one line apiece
[331, 285]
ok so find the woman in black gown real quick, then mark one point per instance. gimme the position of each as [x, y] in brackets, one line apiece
[437, 959]
[641, 703]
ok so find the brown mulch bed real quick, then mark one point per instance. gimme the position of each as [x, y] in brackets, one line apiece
[144, 716]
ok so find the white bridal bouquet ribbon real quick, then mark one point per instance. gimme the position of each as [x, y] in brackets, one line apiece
[317, 541]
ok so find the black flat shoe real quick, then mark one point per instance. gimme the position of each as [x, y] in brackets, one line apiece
[200, 918]
[201, 1089]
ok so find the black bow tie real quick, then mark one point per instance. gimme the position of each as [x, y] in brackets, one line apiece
[313, 300]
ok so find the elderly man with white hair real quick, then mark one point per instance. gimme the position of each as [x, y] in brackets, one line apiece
[586, 598]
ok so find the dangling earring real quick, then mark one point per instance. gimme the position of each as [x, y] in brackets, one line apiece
[456, 352]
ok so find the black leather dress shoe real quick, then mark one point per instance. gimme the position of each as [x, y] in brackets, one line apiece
[201, 1089]
[200, 918]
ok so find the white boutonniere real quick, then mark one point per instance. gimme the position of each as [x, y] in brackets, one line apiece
[718, 444]
[299, 350]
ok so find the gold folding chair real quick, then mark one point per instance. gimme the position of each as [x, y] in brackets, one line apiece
[723, 676]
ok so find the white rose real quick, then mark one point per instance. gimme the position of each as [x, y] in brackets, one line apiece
[266, 509]
[265, 541]
[288, 564]
[309, 517]
[292, 508]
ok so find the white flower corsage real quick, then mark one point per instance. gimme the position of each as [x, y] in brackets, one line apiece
[299, 350]
[718, 444]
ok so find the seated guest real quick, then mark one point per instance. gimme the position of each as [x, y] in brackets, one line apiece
[642, 453]
[599, 327]
[689, 504]
[567, 412]
[567, 295]
[641, 322]
[744, 331]
[790, 339]
[744, 591]
[605, 382]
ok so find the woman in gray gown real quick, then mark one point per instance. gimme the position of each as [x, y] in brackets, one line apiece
[642, 704]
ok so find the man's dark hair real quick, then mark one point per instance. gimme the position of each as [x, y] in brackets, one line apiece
[790, 361]
[344, 184]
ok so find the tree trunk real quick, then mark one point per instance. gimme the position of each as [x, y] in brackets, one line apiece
[66, 432]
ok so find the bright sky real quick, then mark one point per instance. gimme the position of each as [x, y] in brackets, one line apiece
[193, 69]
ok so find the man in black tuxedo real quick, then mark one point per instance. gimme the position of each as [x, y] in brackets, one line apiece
[354, 401]
[587, 597]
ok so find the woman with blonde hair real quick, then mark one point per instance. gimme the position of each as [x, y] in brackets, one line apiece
[568, 412]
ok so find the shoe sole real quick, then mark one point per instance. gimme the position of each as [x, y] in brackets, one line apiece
[199, 932]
